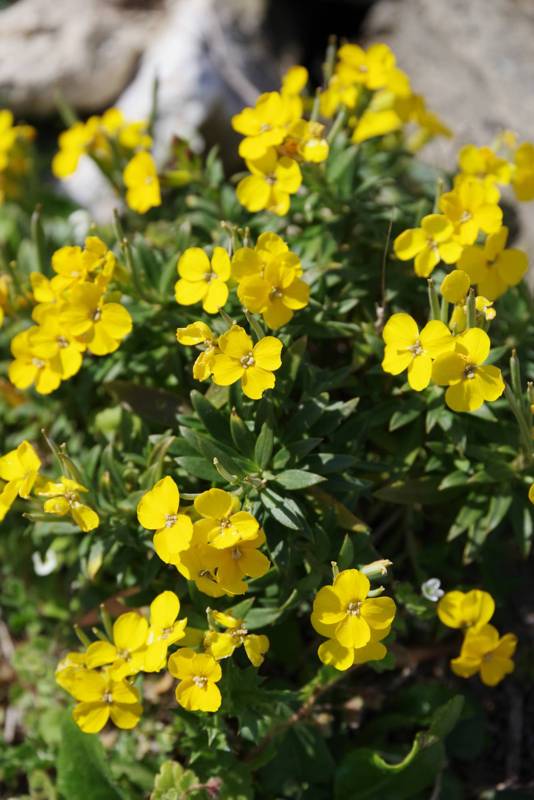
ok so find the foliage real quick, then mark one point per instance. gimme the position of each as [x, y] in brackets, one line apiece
[337, 472]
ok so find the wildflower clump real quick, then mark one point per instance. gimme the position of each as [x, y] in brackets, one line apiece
[278, 441]
[72, 317]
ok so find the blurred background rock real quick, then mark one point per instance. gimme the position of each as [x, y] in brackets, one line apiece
[472, 59]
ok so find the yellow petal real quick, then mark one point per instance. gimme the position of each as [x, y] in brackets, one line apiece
[256, 381]
[91, 717]
[164, 610]
[157, 507]
[130, 631]
[214, 504]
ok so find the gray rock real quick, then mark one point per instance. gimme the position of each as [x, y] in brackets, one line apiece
[86, 49]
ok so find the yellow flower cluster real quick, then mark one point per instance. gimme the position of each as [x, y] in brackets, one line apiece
[353, 622]
[457, 362]
[483, 650]
[19, 469]
[268, 279]
[470, 209]
[213, 542]
[100, 679]
[72, 317]
[369, 84]
[233, 357]
[15, 157]
[276, 139]
[484, 270]
[111, 141]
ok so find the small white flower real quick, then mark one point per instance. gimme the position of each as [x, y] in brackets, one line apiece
[44, 566]
[431, 589]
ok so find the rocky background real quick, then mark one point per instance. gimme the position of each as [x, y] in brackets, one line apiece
[472, 59]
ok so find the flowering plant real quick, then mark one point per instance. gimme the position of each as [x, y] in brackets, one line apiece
[250, 429]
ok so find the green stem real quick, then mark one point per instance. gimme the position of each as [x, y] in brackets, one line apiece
[337, 125]
[435, 312]
[525, 429]
[471, 309]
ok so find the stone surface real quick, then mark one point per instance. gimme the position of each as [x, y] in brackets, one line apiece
[86, 49]
[473, 60]
[210, 59]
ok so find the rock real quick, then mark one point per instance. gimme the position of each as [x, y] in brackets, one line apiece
[210, 59]
[474, 63]
[87, 50]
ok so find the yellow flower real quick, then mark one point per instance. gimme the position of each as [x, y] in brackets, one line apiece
[350, 617]
[51, 342]
[126, 655]
[523, 172]
[242, 560]
[431, 243]
[240, 359]
[222, 645]
[374, 68]
[142, 183]
[165, 629]
[338, 93]
[19, 469]
[470, 383]
[454, 289]
[198, 333]
[531, 493]
[264, 126]
[492, 266]
[466, 609]
[65, 499]
[100, 326]
[28, 368]
[376, 123]
[198, 674]
[484, 651]
[273, 179]
[202, 280]
[342, 658]
[199, 564]
[305, 140]
[482, 162]
[472, 207]
[406, 348]
[276, 294]
[158, 511]
[74, 265]
[270, 249]
[100, 698]
[73, 143]
[222, 523]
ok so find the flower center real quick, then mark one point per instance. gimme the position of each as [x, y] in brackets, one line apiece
[248, 360]
[62, 342]
[416, 348]
[38, 362]
[170, 520]
[276, 294]
[270, 179]
[236, 553]
[124, 654]
[107, 698]
[210, 276]
[70, 497]
[466, 216]
[264, 128]
[200, 680]
[149, 181]
[166, 632]
[239, 633]
[353, 608]
[470, 372]
[97, 315]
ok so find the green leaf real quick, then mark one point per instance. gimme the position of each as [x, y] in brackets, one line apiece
[242, 436]
[446, 717]
[284, 510]
[297, 479]
[264, 446]
[214, 421]
[82, 770]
